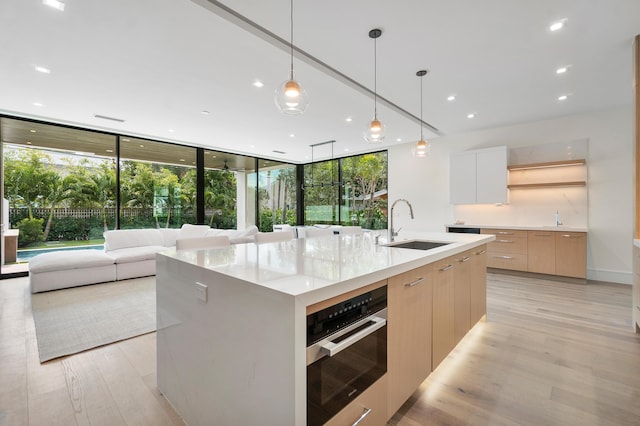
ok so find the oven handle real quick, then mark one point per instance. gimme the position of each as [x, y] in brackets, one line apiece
[331, 348]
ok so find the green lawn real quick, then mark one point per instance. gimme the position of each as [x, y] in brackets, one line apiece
[56, 244]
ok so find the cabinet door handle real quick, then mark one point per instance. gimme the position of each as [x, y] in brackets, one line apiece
[504, 257]
[416, 282]
[365, 413]
[464, 259]
[505, 241]
[446, 268]
[478, 253]
[570, 236]
[505, 233]
[542, 235]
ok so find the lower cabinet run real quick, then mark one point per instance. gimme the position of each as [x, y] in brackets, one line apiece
[431, 308]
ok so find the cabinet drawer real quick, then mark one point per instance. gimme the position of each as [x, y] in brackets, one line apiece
[509, 233]
[373, 399]
[505, 244]
[513, 261]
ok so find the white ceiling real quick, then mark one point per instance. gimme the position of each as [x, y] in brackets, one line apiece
[158, 63]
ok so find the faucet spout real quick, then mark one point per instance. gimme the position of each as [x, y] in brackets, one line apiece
[393, 233]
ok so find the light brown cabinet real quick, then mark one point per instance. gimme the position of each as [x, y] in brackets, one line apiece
[541, 252]
[443, 310]
[370, 406]
[462, 273]
[571, 254]
[478, 287]
[409, 334]
[508, 251]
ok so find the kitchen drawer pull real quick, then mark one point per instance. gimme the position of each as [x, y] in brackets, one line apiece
[478, 253]
[504, 257]
[505, 233]
[570, 236]
[446, 268]
[464, 259]
[416, 282]
[365, 413]
[505, 241]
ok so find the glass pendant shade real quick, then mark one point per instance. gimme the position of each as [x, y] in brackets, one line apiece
[374, 131]
[422, 149]
[291, 98]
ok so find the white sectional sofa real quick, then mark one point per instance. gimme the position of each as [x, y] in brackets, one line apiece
[128, 253]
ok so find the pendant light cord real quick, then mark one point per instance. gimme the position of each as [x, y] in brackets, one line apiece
[375, 78]
[421, 137]
[291, 43]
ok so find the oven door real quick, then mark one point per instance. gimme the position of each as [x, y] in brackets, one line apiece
[342, 366]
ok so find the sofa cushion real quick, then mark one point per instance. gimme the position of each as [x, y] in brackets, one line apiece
[193, 231]
[69, 259]
[125, 238]
[136, 254]
[169, 236]
[236, 236]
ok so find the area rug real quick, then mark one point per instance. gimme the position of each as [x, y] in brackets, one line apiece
[76, 319]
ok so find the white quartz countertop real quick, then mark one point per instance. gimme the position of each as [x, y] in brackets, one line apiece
[560, 228]
[306, 266]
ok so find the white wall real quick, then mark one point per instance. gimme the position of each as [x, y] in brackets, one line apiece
[425, 182]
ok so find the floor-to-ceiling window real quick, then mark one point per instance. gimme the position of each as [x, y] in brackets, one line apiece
[157, 184]
[348, 191]
[229, 199]
[58, 187]
[276, 194]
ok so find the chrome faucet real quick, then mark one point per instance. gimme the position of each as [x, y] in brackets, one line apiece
[393, 233]
[558, 221]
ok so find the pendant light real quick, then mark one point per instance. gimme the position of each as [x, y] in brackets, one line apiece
[291, 98]
[374, 131]
[422, 148]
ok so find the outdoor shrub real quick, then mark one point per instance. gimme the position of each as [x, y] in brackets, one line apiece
[30, 231]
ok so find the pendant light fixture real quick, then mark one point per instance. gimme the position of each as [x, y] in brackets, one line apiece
[374, 131]
[291, 98]
[422, 148]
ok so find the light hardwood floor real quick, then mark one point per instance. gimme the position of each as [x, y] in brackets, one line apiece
[551, 353]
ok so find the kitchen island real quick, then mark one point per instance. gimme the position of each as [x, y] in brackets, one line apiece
[232, 321]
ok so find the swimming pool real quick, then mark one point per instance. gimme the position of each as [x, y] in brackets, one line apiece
[26, 255]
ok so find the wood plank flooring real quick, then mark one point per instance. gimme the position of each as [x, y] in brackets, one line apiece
[551, 353]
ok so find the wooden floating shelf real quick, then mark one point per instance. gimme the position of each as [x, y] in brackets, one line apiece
[563, 163]
[546, 185]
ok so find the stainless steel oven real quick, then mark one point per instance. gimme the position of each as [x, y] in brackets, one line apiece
[346, 352]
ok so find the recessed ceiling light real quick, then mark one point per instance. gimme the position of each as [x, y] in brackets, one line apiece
[399, 140]
[33, 131]
[182, 159]
[346, 150]
[562, 97]
[558, 25]
[141, 146]
[472, 115]
[451, 98]
[252, 146]
[348, 119]
[38, 104]
[109, 150]
[214, 156]
[171, 130]
[43, 70]
[56, 4]
[125, 140]
[28, 142]
[292, 135]
[258, 83]
[204, 112]
[562, 70]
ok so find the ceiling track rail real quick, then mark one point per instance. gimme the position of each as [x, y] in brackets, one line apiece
[243, 22]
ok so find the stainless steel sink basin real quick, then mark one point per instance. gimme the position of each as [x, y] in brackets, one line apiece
[418, 244]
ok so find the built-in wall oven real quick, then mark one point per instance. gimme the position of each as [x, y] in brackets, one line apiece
[346, 352]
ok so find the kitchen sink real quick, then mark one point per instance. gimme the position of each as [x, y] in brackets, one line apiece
[418, 244]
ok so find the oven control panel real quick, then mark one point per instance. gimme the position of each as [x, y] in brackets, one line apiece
[330, 320]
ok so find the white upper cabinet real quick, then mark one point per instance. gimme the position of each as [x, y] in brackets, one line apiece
[479, 176]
